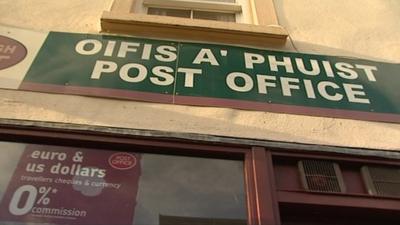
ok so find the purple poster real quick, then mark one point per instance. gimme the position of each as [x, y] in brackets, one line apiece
[66, 185]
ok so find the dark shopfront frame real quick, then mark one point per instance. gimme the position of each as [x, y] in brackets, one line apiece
[264, 197]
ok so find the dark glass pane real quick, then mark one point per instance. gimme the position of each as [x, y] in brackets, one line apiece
[297, 214]
[227, 17]
[169, 12]
[230, 1]
[190, 189]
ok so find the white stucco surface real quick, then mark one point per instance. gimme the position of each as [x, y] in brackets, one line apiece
[45, 15]
[357, 28]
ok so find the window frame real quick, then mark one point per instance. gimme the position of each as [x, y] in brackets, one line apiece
[263, 32]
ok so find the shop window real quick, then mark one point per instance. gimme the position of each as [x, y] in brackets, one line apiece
[56, 185]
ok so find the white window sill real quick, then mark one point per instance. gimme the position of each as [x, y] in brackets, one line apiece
[188, 29]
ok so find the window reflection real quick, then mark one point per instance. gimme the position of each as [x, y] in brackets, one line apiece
[190, 187]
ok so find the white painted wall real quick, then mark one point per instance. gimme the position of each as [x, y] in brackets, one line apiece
[356, 28]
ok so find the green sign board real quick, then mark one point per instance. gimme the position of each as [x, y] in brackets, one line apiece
[215, 75]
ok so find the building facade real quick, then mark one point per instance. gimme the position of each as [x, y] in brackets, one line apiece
[196, 159]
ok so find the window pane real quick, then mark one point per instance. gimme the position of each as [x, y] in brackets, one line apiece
[190, 190]
[230, 1]
[45, 184]
[227, 17]
[169, 12]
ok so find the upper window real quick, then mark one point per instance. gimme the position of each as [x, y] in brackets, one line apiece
[217, 10]
[244, 22]
[192, 14]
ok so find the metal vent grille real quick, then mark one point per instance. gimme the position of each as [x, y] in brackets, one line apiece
[384, 181]
[323, 176]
